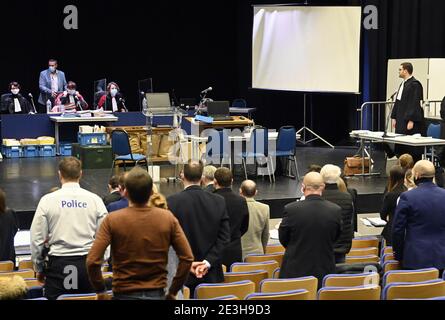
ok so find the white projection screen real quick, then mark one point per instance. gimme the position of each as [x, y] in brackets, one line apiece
[307, 49]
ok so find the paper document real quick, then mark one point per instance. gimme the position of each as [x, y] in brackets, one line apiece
[377, 222]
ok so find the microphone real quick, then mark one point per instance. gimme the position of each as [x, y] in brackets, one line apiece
[32, 102]
[123, 103]
[206, 90]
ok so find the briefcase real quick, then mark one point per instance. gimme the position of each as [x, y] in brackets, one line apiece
[353, 166]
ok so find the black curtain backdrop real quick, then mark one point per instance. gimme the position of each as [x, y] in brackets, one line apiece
[188, 46]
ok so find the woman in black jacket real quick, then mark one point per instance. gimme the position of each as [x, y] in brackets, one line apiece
[395, 188]
[8, 230]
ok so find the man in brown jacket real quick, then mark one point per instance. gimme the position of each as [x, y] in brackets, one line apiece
[140, 237]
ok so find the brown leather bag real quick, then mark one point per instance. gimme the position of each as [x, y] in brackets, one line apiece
[353, 166]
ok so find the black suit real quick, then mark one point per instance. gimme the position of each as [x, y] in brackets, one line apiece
[409, 109]
[112, 197]
[203, 217]
[239, 224]
[309, 231]
[388, 210]
[8, 106]
[8, 230]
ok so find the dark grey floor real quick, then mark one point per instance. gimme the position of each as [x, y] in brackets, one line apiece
[26, 180]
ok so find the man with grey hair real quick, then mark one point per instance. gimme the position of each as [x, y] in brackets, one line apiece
[255, 240]
[208, 177]
[331, 175]
[309, 231]
[418, 230]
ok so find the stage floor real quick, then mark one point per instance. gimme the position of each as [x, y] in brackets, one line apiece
[26, 180]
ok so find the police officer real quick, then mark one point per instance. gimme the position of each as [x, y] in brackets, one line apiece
[66, 221]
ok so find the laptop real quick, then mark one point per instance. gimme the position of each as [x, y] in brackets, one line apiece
[219, 110]
[159, 102]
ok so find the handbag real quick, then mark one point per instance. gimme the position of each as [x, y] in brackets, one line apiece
[353, 165]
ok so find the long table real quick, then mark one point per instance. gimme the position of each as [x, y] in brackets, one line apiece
[413, 141]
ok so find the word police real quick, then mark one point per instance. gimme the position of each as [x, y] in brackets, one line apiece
[74, 204]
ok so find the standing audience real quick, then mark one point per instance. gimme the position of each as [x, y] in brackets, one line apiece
[395, 188]
[331, 175]
[238, 215]
[255, 240]
[203, 217]
[418, 229]
[8, 230]
[309, 231]
[208, 177]
[140, 237]
[68, 220]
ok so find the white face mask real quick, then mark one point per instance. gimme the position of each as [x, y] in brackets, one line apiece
[15, 91]
[113, 92]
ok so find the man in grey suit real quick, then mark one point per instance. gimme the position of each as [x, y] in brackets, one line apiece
[255, 240]
[51, 82]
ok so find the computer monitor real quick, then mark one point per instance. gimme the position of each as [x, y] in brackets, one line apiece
[216, 109]
[158, 100]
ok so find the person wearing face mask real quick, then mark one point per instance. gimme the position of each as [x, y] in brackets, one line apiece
[51, 83]
[14, 102]
[418, 230]
[71, 98]
[113, 100]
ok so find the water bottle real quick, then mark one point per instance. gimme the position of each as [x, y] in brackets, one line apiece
[144, 106]
[48, 106]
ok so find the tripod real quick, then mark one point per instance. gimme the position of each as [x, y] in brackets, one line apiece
[305, 129]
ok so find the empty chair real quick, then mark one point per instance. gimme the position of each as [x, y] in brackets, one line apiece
[414, 290]
[255, 276]
[275, 248]
[229, 297]
[269, 266]
[286, 148]
[276, 273]
[368, 242]
[363, 252]
[280, 285]
[363, 259]
[386, 250]
[239, 103]
[186, 293]
[89, 296]
[278, 257]
[26, 265]
[351, 280]
[433, 131]
[410, 276]
[120, 144]
[387, 257]
[239, 289]
[25, 274]
[350, 293]
[286, 295]
[391, 265]
[6, 266]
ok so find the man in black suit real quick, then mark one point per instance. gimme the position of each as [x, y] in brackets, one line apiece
[208, 177]
[238, 214]
[114, 190]
[309, 231]
[407, 115]
[203, 217]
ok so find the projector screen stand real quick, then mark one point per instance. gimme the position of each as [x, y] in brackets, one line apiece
[303, 131]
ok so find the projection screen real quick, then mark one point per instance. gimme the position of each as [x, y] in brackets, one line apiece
[307, 49]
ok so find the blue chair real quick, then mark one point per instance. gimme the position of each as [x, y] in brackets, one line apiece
[434, 132]
[258, 149]
[120, 144]
[286, 148]
[414, 290]
[221, 150]
[300, 294]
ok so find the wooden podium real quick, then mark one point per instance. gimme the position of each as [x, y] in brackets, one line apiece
[192, 126]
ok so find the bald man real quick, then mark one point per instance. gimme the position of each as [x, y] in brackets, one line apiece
[255, 240]
[309, 231]
[419, 222]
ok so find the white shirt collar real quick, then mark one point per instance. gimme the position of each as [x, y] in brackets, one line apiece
[70, 185]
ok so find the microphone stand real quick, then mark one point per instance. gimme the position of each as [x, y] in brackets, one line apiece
[32, 103]
[201, 103]
[388, 118]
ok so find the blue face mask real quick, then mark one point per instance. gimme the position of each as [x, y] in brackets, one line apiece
[52, 69]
